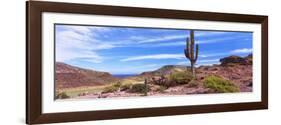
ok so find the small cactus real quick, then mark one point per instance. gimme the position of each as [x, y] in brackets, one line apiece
[189, 51]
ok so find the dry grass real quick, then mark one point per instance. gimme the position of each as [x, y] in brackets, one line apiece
[74, 92]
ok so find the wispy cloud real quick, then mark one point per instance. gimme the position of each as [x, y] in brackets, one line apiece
[184, 36]
[78, 42]
[208, 33]
[236, 51]
[163, 38]
[181, 56]
[183, 42]
[156, 56]
[130, 69]
[243, 50]
[208, 60]
[166, 40]
[213, 54]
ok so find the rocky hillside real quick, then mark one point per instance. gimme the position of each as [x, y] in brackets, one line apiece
[234, 68]
[68, 76]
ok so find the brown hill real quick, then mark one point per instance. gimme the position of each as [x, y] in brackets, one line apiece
[165, 70]
[68, 76]
[230, 60]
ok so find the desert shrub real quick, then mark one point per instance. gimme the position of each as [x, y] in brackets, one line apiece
[111, 88]
[124, 87]
[179, 78]
[118, 84]
[219, 84]
[62, 95]
[162, 88]
[139, 88]
[193, 83]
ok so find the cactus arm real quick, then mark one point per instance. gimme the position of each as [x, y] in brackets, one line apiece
[186, 53]
[186, 50]
[197, 50]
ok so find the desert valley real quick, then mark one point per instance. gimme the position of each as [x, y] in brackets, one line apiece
[233, 74]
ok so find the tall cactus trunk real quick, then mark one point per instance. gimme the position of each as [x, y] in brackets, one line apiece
[189, 52]
[193, 70]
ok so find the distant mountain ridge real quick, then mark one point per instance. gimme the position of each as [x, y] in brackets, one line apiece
[167, 69]
[68, 76]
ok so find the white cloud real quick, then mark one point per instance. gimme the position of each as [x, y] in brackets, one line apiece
[78, 42]
[174, 37]
[208, 33]
[236, 51]
[208, 41]
[162, 38]
[243, 50]
[85, 29]
[208, 60]
[156, 56]
[213, 54]
[130, 69]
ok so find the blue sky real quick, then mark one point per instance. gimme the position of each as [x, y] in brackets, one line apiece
[124, 50]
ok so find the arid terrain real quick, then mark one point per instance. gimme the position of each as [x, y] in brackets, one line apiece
[233, 74]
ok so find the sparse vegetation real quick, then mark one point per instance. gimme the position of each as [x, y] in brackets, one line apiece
[62, 95]
[179, 78]
[117, 85]
[126, 86]
[193, 83]
[139, 88]
[112, 88]
[219, 84]
[109, 89]
[161, 89]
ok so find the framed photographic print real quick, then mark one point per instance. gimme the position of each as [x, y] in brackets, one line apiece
[93, 62]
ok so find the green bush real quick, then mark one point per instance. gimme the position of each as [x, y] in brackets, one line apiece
[117, 85]
[179, 78]
[219, 84]
[111, 88]
[139, 88]
[62, 95]
[124, 87]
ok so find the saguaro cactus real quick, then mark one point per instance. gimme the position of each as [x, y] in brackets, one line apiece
[189, 51]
